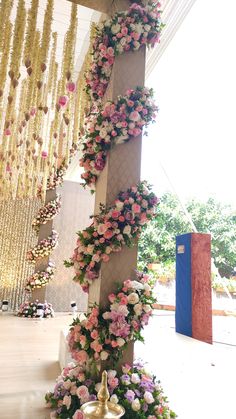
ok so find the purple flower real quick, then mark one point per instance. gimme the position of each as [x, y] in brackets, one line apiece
[92, 397]
[145, 407]
[130, 395]
[119, 326]
[125, 379]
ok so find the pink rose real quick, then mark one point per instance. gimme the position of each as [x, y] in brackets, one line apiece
[105, 258]
[136, 208]
[81, 356]
[108, 234]
[78, 415]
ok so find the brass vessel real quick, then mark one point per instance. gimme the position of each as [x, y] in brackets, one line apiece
[102, 409]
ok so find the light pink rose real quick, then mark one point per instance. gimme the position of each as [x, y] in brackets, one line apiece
[78, 415]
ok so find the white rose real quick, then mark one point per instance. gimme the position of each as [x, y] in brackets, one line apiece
[106, 315]
[139, 28]
[146, 287]
[135, 378]
[111, 373]
[135, 405]
[114, 399]
[147, 27]
[147, 308]
[119, 48]
[131, 125]
[136, 45]
[103, 133]
[104, 355]
[97, 387]
[137, 285]
[148, 397]
[133, 298]
[120, 342]
[90, 249]
[115, 28]
[138, 308]
[127, 230]
[123, 41]
[119, 205]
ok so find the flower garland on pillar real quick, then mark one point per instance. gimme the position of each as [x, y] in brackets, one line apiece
[44, 248]
[114, 123]
[117, 226]
[103, 335]
[125, 31]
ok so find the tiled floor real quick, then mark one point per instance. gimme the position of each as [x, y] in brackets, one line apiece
[199, 379]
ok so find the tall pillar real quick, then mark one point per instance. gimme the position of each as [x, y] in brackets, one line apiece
[44, 231]
[122, 170]
[193, 316]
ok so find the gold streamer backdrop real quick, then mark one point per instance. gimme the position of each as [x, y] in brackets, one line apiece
[16, 237]
[33, 75]
[38, 117]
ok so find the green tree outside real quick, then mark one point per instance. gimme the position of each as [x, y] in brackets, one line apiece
[157, 242]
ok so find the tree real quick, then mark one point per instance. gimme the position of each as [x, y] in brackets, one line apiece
[157, 243]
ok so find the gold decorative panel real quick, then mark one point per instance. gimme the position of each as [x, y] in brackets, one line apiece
[16, 237]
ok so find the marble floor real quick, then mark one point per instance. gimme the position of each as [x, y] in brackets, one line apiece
[198, 378]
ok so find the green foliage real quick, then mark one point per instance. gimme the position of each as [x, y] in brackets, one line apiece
[157, 242]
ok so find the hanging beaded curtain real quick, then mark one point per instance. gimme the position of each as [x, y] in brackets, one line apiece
[37, 95]
[14, 269]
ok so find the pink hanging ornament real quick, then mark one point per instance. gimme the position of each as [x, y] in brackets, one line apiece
[7, 131]
[71, 87]
[63, 100]
[44, 154]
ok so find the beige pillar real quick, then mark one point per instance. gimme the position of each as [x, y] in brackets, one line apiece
[44, 231]
[122, 171]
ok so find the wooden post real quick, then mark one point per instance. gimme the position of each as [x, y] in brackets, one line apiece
[193, 286]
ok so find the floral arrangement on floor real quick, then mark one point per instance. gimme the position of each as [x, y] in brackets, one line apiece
[114, 123]
[43, 248]
[47, 213]
[41, 278]
[104, 334]
[113, 228]
[133, 388]
[28, 309]
[125, 31]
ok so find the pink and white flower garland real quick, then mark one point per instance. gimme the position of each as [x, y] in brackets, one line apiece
[43, 248]
[125, 31]
[104, 334]
[114, 123]
[41, 278]
[134, 388]
[29, 309]
[115, 227]
[47, 213]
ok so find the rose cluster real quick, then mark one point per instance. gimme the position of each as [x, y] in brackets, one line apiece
[125, 31]
[134, 388]
[115, 227]
[28, 309]
[43, 248]
[47, 213]
[41, 278]
[114, 123]
[57, 178]
[103, 334]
